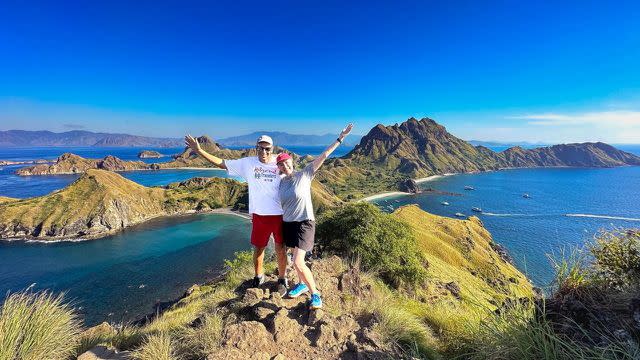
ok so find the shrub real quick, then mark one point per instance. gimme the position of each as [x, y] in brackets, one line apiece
[383, 243]
[617, 258]
[37, 326]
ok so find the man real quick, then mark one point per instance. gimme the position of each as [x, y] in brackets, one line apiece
[261, 174]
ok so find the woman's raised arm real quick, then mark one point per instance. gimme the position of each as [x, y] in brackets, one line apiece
[317, 162]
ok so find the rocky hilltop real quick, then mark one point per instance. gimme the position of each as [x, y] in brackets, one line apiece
[101, 202]
[387, 155]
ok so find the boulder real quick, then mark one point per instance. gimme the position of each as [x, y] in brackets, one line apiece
[104, 353]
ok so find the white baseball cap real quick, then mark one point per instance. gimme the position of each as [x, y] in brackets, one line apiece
[265, 138]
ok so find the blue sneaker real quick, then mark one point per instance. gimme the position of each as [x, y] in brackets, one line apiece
[300, 289]
[316, 301]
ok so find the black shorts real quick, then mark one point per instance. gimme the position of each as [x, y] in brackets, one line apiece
[299, 234]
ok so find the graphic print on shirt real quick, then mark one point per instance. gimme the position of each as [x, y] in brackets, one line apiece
[266, 175]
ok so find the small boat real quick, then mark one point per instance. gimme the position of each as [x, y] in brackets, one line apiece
[469, 187]
[445, 203]
[397, 201]
[460, 215]
[526, 196]
[476, 209]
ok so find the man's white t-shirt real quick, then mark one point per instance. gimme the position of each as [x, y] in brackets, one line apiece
[263, 181]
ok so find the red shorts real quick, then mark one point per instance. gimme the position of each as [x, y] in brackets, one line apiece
[262, 228]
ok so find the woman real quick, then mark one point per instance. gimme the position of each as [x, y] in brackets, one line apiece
[299, 225]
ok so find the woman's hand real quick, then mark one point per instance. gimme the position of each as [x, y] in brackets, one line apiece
[345, 132]
[192, 142]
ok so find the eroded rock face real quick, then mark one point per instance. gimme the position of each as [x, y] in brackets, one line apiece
[410, 186]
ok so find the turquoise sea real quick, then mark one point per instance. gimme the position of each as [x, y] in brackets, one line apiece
[121, 277]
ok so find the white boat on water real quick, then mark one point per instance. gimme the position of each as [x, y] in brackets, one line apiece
[460, 215]
[476, 209]
[469, 187]
[445, 203]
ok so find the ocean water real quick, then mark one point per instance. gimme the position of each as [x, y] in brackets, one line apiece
[566, 208]
[121, 277]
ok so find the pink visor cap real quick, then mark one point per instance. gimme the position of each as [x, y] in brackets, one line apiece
[282, 157]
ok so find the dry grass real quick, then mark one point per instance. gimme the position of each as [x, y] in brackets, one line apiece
[156, 347]
[37, 326]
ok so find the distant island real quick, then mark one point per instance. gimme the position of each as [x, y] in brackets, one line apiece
[286, 139]
[11, 138]
[149, 154]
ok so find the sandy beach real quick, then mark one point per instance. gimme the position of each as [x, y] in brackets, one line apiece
[383, 195]
[396, 193]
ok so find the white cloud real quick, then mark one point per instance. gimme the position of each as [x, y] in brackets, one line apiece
[609, 118]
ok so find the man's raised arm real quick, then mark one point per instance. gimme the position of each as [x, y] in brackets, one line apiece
[192, 142]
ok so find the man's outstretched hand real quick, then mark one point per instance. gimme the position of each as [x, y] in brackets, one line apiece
[192, 142]
[346, 131]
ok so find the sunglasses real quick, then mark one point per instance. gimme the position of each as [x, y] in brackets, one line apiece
[264, 149]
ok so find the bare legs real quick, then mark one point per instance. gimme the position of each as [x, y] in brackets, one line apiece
[304, 273]
[258, 260]
[281, 254]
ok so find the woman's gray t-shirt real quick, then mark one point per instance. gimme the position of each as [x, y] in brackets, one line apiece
[295, 195]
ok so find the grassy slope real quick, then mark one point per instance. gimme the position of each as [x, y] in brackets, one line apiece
[455, 249]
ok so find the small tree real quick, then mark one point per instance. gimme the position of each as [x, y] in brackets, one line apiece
[382, 242]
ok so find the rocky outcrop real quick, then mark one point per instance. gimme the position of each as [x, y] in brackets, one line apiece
[149, 154]
[263, 325]
[409, 185]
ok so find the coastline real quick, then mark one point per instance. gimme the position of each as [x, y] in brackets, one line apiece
[221, 211]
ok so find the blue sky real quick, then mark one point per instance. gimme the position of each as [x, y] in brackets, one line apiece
[538, 71]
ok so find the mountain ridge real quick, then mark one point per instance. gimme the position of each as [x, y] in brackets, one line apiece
[13, 138]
